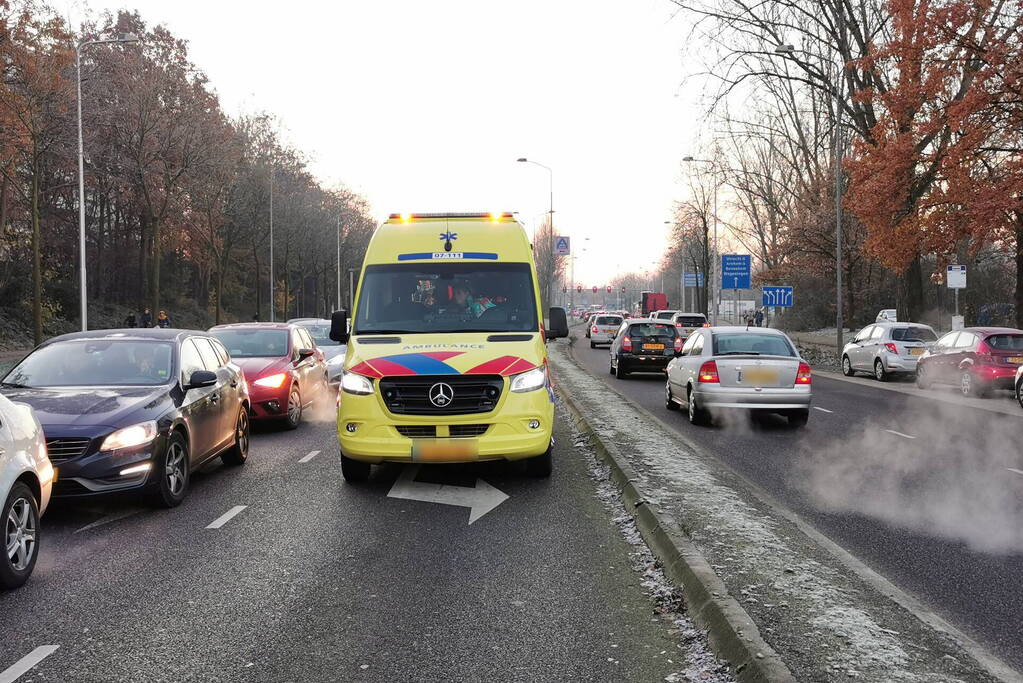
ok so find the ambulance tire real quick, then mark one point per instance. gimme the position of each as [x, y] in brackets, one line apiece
[540, 466]
[354, 471]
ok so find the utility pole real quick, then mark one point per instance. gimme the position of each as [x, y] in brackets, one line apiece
[273, 304]
[839, 88]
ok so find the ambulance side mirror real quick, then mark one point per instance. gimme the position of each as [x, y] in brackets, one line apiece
[339, 327]
[557, 327]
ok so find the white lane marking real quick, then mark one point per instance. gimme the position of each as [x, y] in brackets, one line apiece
[904, 436]
[307, 458]
[108, 519]
[480, 500]
[823, 410]
[1013, 469]
[226, 517]
[23, 665]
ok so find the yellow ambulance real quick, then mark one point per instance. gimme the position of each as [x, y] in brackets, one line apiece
[447, 355]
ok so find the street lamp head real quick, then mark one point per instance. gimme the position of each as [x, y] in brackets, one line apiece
[127, 38]
[785, 49]
[522, 159]
[688, 158]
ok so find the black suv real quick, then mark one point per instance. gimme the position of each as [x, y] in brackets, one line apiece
[643, 346]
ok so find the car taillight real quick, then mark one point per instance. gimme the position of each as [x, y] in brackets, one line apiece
[706, 324]
[626, 344]
[678, 344]
[594, 329]
[678, 325]
[892, 348]
[803, 374]
[709, 373]
[984, 354]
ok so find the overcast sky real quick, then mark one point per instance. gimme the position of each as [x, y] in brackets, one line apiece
[424, 106]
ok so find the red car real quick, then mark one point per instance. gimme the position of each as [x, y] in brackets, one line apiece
[976, 359]
[285, 370]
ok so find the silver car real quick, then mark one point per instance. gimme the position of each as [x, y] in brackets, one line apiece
[737, 367]
[885, 349]
[333, 352]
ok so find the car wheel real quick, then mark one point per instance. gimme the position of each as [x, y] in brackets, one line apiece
[669, 401]
[611, 366]
[540, 466]
[971, 386]
[619, 373]
[239, 452]
[294, 417]
[172, 473]
[798, 418]
[1019, 394]
[19, 519]
[354, 471]
[923, 377]
[879, 372]
[697, 415]
[847, 368]
[593, 345]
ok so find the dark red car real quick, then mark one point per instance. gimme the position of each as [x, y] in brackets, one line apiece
[283, 367]
[976, 359]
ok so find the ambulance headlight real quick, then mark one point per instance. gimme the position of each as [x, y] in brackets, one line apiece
[356, 384]
[530, 380]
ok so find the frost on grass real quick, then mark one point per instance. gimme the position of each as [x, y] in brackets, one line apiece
[701, 664]
[810, 602]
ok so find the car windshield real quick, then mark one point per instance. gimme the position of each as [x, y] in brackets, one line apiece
[254, 342]
[95, 362]
[320, 334]
[651, 330]
[665, 315]
[1005, 342]
[609, 320]
[438, 297]
[747, 343]
[914, 333]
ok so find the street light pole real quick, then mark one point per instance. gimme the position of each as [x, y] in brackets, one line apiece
[273, 304]
[839, 88]
[83, 294]
[715, 280]
[338, 262]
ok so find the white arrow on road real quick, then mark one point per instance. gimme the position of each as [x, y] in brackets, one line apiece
[480, 499]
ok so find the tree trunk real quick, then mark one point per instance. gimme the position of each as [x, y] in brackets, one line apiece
[1018, 295]
[219, 287]
[259, 289]
[913, 288]
[37, 266]
[154, 270]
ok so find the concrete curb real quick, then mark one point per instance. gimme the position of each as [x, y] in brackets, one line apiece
[733, 635]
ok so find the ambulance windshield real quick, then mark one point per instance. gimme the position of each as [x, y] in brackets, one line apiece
[437, 297]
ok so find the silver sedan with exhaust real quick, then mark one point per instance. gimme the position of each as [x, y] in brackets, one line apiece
[750, 368]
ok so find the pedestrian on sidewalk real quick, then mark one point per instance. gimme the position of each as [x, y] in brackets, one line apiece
[147, 319]
[130, 321]
[758, 317]
[163, 320]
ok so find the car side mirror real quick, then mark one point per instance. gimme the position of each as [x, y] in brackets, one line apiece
[557, 327]
[305, 353]
[201, 378]
[339, 327]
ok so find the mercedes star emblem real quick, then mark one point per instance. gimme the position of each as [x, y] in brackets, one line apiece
[441, 394]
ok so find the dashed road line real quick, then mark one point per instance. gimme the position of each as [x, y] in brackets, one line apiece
[108, 519]
[25, 664]
[307, 458]
[1013, 469]
[823, 410]
[226, 517]
[904, 436]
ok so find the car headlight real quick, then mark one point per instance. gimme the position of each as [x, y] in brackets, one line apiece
[356, 384]
[136, 435]
[530, 380]
[271, 381]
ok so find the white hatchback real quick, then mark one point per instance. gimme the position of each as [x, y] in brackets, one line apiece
[604, 329]
[26, 477]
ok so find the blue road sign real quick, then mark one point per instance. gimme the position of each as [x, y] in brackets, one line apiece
[562, 245]
[735, 271]
[777, 296]
[693, 280]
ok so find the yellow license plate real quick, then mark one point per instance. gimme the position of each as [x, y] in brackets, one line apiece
[918, 352]
[1016, 359]
[653, 347]
[444, 450]
[757, 376]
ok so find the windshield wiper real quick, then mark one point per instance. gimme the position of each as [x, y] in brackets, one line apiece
[14, 385]
[362, 332]
[738, 353]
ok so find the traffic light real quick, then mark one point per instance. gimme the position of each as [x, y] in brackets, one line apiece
[623, 290]
[594, 289]
[578, 288]
[609, 289]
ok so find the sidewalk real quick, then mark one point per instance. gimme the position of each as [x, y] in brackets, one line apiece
[823, 613]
